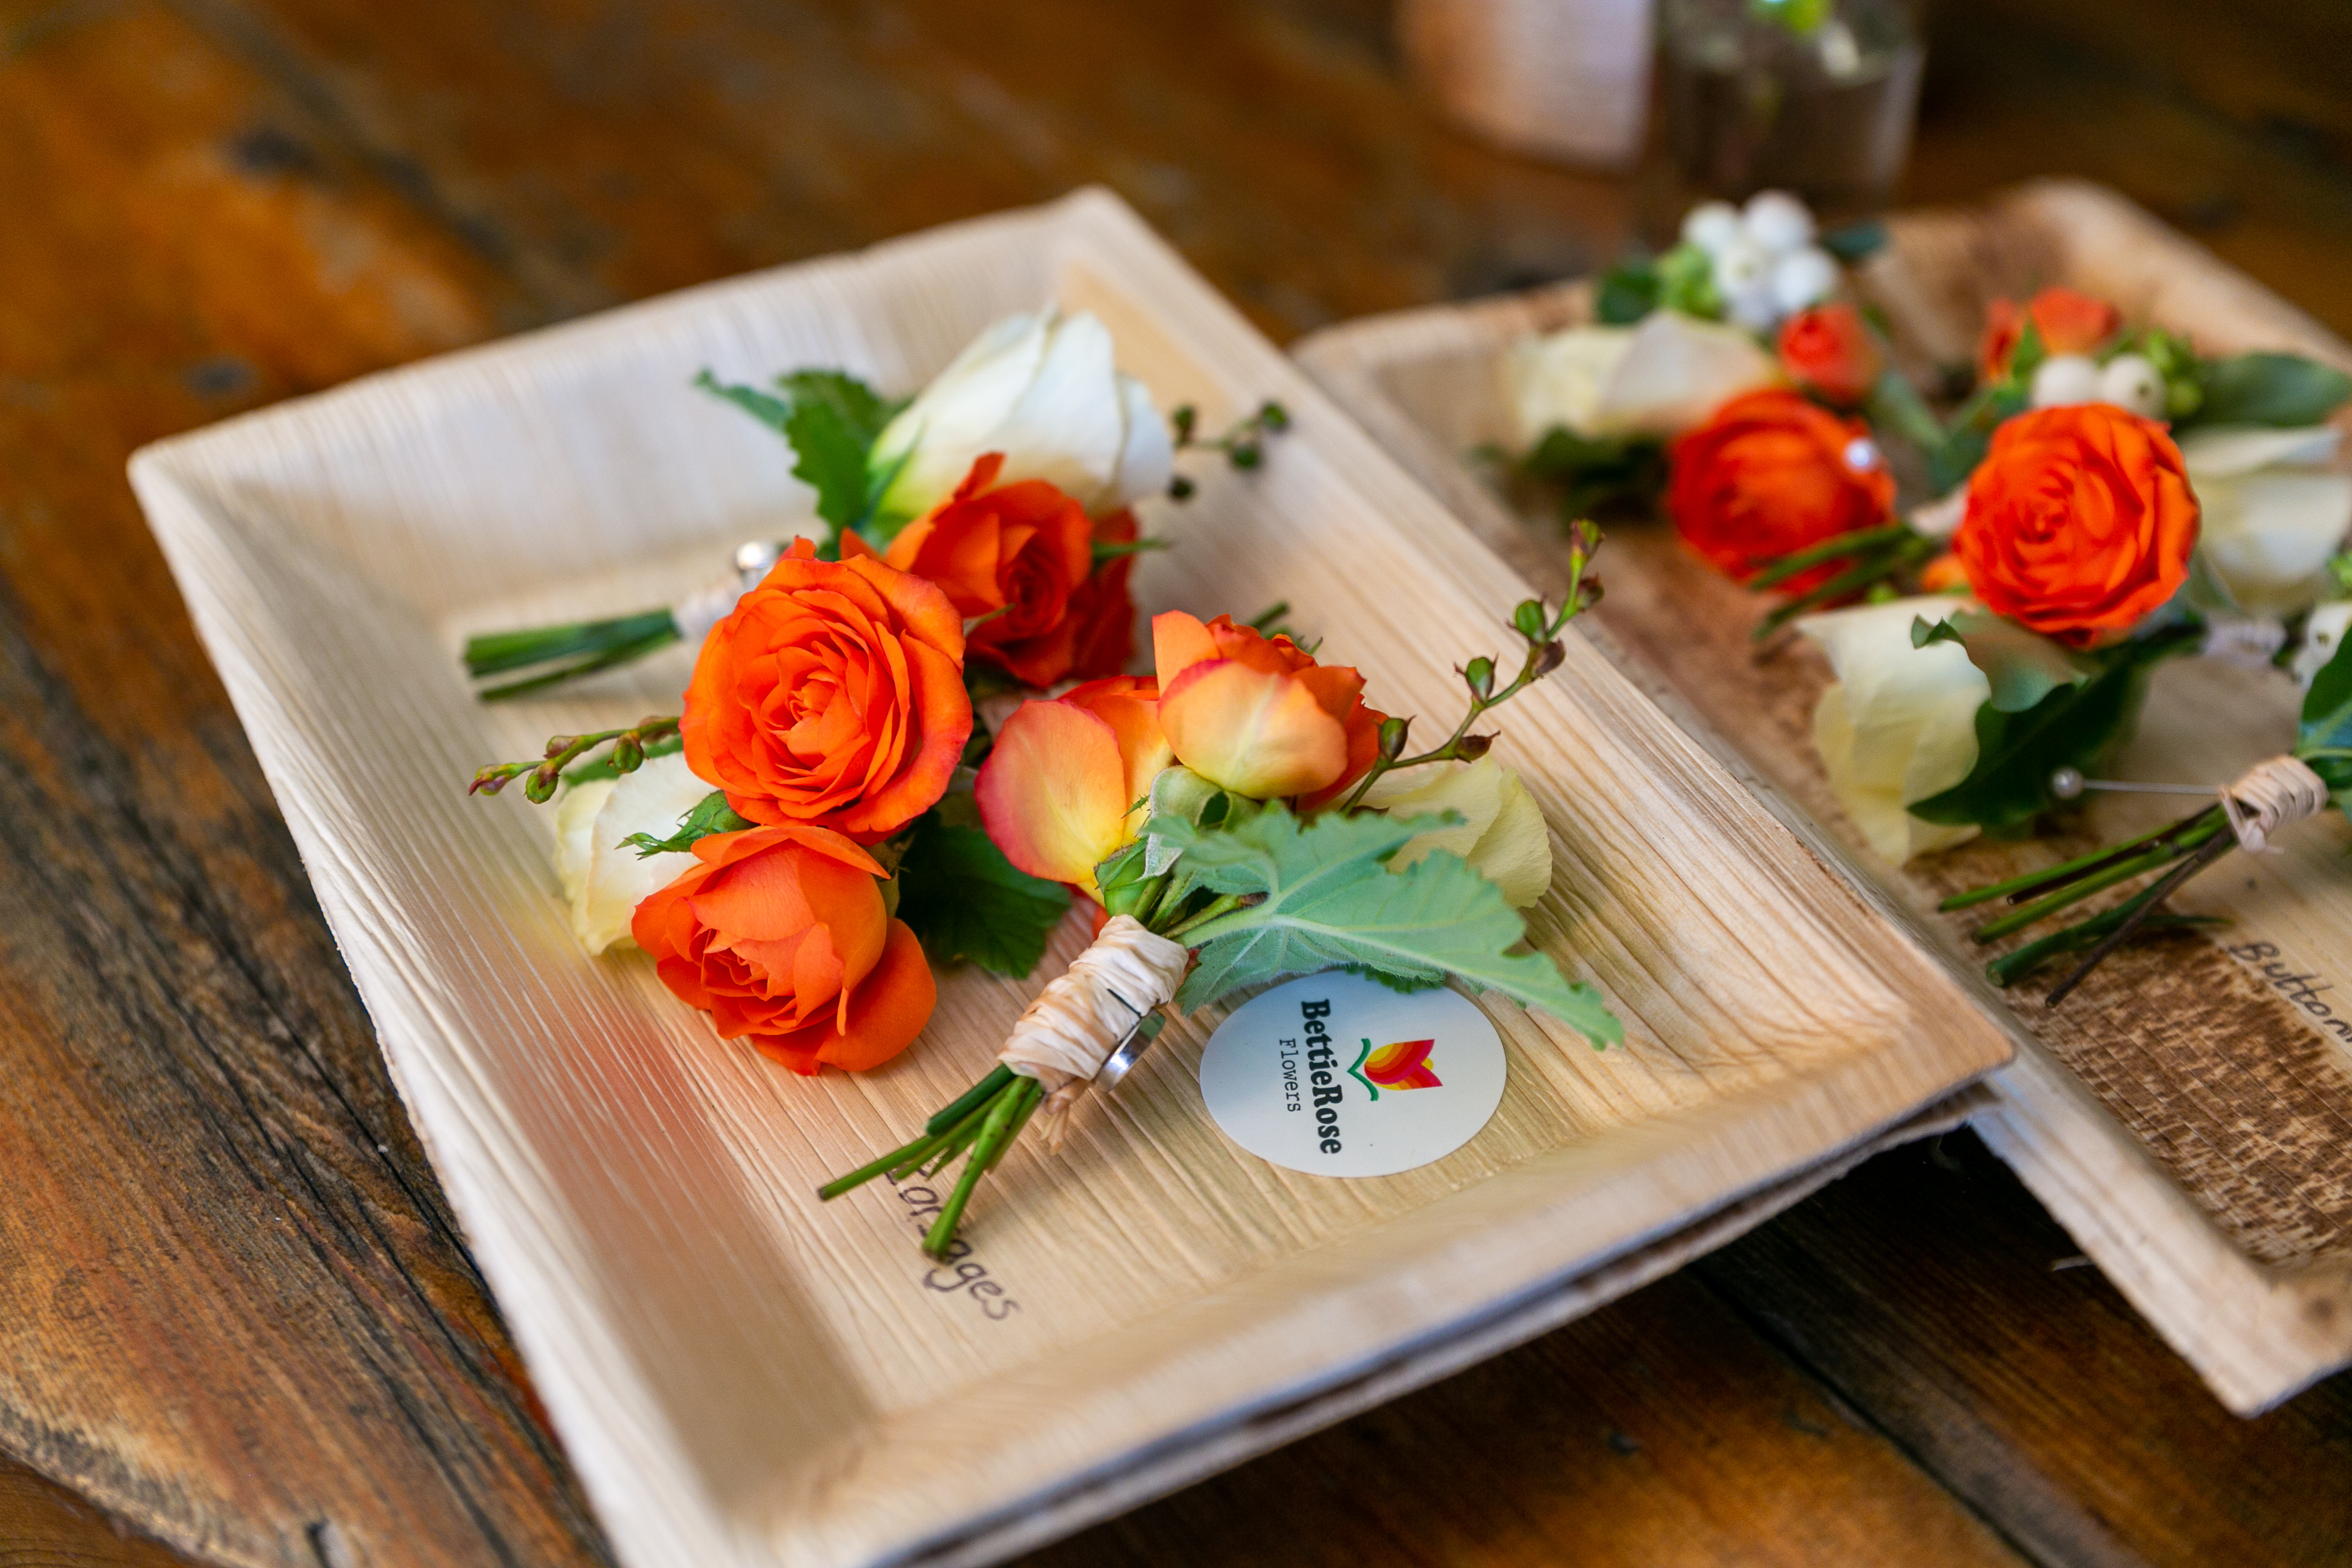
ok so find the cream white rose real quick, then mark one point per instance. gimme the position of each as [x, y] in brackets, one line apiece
[1502, 832]
[1900, 723]
[1657, 379]
[2272, 510]
[1043, 391]
[604, 880]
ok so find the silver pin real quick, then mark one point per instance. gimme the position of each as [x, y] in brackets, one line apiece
[2068, 783]
[754, 560]
[1131, 1046]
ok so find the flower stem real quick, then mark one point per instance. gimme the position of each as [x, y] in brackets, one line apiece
[1539, 629]
[2067, 871]
[1859, 540]
[2083, 887]
[628, 753]
[1004, 1114]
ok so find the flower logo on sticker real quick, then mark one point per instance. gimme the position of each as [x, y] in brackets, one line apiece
[1404, 1064]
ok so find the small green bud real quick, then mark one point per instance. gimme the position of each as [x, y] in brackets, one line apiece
[539, 788]
[488, 780]
[1392, 737]
[1180, 489]
[1184, 418]
[1480, 673]
[1529, 619]
[628, 755]
[1273, 416]
[560, 745]
[1246, 454]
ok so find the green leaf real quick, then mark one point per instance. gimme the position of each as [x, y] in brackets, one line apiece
[1855, 242]
[2282, 390]
[828, 458]
[831, 418]
[1628, 292]
[2327, 706]
[2023, 667]
[863, 412]
[773, 412]
[1327, 897]
[713, 815]
[2072, 727]
[965, 899]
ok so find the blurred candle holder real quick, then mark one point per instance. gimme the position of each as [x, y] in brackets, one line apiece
[1811, 96]
[1562, 80]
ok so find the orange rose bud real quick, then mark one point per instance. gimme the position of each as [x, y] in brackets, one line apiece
[1943, 574]
[1257, 715]
[1058, 793]
[1830, 349]
[781, 936]
[2068, 323]
[1019, 556]
[2080, 522]
[1771, 474]
[832, 694]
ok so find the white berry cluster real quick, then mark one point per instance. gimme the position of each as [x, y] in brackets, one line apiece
[1766, 264]
[2130, 381]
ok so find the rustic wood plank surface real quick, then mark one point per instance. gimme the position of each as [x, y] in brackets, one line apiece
[234, 1313]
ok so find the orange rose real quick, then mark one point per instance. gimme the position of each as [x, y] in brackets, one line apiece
[1020, 558]
[780, 935]
[832, 694]
[1830, 349]
[1257, 715]
[1059, 791]
[1771, 474]
[2080, 522]
[2068, 323]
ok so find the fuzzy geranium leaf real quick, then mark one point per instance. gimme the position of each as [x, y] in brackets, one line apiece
[1326, 897]
[959, 893]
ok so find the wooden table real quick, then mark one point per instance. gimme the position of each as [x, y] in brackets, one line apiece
[235, 1314]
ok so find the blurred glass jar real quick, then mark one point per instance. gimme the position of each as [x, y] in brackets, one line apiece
[1811, 96]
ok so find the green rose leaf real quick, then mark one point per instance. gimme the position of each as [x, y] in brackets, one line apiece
[713, 815]
[2023, 667]
[2328, 707]
[1327, 897]
[831, 418]
[1628, 292]
[965, 899]
[2073, 726]
[2278, 389]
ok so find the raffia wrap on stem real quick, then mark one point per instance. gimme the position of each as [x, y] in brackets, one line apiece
[1076, 1022]
[2268, 796]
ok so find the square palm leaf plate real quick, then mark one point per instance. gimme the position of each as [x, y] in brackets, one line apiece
[2188, 1115]
[743, 1375]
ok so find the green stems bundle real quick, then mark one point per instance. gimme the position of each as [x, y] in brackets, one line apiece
[2178, 850]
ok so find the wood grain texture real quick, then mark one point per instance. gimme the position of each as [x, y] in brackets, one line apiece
[232, 204]
[2220, 1082]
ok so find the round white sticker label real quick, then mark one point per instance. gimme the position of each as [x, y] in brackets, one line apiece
[1339, 1076]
